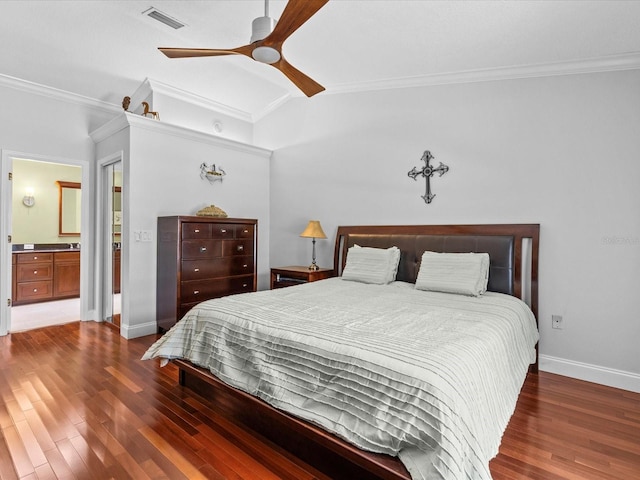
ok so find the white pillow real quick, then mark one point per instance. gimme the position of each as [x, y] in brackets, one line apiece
[463, 273]
[371, 265]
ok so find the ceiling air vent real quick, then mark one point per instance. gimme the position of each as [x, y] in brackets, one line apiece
[163, 18]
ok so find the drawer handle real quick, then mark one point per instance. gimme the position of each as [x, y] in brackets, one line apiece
[196, 292]
[223, 230]
[196, 269]
[197, 230]
[35, 290]
[203, 249]
[245, 231]
[240, 248]
[244, 285]
[35, 272]
[245, 265]
[35, 258]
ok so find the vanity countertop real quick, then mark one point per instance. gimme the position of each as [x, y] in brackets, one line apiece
[46, 247]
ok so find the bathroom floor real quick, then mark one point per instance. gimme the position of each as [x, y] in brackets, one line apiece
[37, 315]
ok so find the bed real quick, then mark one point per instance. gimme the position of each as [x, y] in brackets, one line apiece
[377, 380]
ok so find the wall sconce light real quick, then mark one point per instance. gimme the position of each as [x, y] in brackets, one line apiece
[28, 199]
[313, 230]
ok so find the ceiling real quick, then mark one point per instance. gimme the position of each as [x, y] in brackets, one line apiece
[106, 49]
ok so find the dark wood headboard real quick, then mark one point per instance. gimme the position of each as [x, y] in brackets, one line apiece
[512, 249]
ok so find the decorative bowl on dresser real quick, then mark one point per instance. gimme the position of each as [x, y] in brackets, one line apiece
[200, 258]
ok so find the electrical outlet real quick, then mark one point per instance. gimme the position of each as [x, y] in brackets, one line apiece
[556, 321]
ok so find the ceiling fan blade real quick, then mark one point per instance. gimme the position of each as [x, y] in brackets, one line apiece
[296, 13]
[206, 52]
[308, 86]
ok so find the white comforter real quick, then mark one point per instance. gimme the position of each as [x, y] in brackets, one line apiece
[432, 378]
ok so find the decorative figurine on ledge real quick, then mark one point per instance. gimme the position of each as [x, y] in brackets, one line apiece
[154, 115]
[126, 101]
[211, 172]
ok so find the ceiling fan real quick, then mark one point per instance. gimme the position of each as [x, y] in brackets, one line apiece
[266, 42]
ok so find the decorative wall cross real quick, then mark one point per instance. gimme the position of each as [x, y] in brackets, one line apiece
[427, 172]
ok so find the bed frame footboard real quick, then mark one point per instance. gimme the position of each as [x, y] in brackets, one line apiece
[315, 446]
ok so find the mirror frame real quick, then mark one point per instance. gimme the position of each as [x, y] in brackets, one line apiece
[61, 185]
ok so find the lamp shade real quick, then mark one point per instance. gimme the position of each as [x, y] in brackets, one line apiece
[313, 230]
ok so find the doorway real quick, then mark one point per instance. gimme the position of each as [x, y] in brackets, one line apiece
[31, 211]
[111, 240]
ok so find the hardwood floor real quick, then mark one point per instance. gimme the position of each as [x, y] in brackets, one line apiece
[77, 402]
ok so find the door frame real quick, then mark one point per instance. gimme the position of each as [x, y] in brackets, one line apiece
[6, 209]
[104, 247]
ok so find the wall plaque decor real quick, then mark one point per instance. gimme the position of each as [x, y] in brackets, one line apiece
[427, 172]
[211, 172]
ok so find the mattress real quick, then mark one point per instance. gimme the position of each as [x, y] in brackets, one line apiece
[429, 377]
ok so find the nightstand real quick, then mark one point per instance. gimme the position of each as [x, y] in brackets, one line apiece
[295, 275]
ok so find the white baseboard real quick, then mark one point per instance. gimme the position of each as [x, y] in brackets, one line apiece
[590, 373]
[135, 331]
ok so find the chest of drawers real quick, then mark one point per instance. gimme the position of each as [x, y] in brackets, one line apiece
[200, 258]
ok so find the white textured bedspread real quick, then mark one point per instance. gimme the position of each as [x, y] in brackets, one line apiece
[432, 378]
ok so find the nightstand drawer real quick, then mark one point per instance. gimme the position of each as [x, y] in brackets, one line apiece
[296, 275]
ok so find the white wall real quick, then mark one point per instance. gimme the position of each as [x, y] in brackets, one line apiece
[40, 223]
[559, 151]
[45, 125]
[161, 165]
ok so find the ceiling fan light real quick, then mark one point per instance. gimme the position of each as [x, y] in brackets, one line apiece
[265, 55]
[261, 27]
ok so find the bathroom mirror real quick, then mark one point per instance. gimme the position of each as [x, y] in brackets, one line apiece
[69, 209]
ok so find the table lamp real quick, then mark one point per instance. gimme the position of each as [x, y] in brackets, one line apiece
[313, 230]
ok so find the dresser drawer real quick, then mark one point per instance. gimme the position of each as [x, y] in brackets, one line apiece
[244, 231]
[242, 284]
[196, 230]
[200, 290]
[34, 257]
[198, 249]
[242, 247]
[222, 230]
[34, 290]
[28, 272]
[217, 267]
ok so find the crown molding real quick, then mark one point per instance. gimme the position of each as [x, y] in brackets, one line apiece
[127, 119]
[56, 93]
[156, 86]
[628, 61]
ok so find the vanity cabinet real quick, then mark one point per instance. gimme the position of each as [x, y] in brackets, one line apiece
[66, 274]
[200, 258]
[34, 277]
[45, 276]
